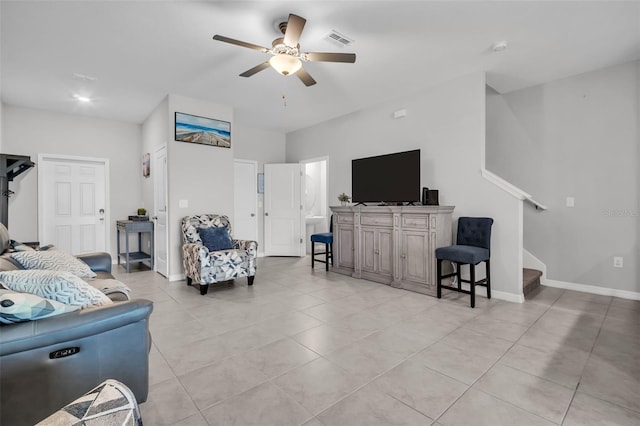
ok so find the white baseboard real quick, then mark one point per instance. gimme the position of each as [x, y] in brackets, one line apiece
[176, 277]
[585, 288]
[509, 297]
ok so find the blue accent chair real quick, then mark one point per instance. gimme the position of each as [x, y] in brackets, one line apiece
[325, 238]
[473, 245]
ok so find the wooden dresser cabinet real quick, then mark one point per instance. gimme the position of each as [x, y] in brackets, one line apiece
[391, 245]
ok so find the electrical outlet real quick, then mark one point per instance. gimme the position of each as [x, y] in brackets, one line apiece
[571, 202]
[617, 262]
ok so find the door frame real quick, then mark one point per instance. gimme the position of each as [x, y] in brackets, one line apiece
[61, 157]
[156, 246]
[255, 195]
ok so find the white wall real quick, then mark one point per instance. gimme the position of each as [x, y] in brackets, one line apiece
[1, 104]
[447, 123]
[200, 174]
[313, 189]
[32, 132]
[1, 126]
[155, 133]
[576, 137]
[265, 147]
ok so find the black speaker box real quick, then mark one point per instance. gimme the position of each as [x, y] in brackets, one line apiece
[429, 197]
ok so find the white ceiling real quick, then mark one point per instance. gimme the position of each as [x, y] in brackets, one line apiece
[142, 50]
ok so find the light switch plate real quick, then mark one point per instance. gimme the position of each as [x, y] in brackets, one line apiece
[183, 204]
[571, 202]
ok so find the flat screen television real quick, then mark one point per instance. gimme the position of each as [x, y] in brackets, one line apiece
[391, 178]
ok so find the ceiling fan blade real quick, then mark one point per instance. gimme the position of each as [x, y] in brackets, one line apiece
[305, 77]
[295, 24]
[256, 69]
[240, 43]
[329, 57]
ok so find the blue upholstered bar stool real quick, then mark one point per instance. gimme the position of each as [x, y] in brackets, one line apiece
[473, 245]
[325, 238]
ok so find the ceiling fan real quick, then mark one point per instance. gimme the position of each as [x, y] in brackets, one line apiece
[287, 58]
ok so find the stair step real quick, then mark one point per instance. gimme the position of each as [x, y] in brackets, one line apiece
[530, 280]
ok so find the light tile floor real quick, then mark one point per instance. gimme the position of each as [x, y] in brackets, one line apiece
[317, 348]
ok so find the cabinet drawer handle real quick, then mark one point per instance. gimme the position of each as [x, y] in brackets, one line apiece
[377, 251]
[403, 256]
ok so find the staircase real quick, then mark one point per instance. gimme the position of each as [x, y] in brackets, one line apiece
[530, 280]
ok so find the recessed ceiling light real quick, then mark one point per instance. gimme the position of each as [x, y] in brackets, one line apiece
[499, 47]
[82, 99]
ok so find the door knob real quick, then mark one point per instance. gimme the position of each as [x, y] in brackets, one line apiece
[253, 214]
[266, 214]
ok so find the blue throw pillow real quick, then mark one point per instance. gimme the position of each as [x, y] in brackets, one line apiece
[216, 238]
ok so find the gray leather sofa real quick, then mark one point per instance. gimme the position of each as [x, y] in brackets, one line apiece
[47, 363]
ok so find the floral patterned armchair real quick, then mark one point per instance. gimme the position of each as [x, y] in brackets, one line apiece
[206, 267]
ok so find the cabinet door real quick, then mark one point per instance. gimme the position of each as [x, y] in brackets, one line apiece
[368, 249]
[385, 252]
[345, 249]
[377, 250]
[415, 248]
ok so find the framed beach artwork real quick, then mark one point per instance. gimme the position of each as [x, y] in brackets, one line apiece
[202, 130]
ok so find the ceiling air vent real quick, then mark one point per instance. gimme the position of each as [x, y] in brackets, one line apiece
[338, 39]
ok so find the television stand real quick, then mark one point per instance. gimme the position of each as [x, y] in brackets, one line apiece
[392, 245]
[360, 204]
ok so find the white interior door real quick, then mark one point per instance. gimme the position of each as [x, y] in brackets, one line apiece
[72, 203]
[283, 215]
[161, 238]
[245, 200]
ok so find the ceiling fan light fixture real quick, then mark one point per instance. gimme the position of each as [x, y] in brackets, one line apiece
[285, 64]
[82, 99]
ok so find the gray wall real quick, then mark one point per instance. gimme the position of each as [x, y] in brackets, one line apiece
[155, 133]
[192, 169]
[1, 104]
[576, 137]
[263, 146]
[200, 174]
[447, 123]
[1, 126]
[32, 132]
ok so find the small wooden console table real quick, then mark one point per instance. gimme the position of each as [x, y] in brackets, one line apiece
[129, 226]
